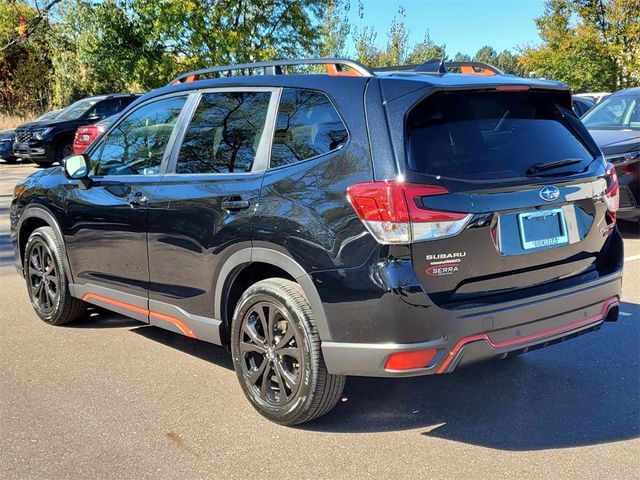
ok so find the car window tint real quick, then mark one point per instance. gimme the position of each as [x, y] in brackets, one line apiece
[611, 113]
[307, 126]
[489, 135]
[137, 144]
[107, 108]
[224, 133]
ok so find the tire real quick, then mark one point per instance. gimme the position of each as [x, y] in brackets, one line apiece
[264, 368]
[43, 163]
[11, 160]
[64, 149]
[47, 280]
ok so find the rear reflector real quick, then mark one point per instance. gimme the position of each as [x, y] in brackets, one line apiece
[410, 360]
[393, 212]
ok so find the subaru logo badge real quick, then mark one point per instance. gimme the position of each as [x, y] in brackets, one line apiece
[549, 193]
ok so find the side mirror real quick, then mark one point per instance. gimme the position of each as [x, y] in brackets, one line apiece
[76, 167]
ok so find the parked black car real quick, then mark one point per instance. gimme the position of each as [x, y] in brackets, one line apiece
[615, 126]
[47, 141]
[7, 138]
[390, 224]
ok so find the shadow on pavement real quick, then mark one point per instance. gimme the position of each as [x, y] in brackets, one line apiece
[584, 391]
[581, 392]
[202, 350]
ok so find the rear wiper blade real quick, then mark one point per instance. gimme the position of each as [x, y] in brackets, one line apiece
[541, 167]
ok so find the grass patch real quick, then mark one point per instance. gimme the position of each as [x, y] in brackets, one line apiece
[12, 121]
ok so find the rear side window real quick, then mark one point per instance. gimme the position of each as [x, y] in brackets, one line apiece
[489, 135]
[307, 126]
[224, 133]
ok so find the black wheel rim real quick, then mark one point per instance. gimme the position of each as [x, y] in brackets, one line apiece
[270, 353]
[43, 278]
[67, 151]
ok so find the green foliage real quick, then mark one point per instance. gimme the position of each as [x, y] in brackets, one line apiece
[335, 29]
[25, 68]
[593, 45]
[136, 45]
[88, 47]
[398, 51]
[505, 60]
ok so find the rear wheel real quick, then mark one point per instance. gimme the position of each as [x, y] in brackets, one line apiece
[47, 280]
[277, 357]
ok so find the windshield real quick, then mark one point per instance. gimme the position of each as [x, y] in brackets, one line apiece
[76, 110]
[49, 115]
[618, 111]
[489, 136]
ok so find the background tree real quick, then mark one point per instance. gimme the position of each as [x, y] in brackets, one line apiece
[335, 30]
[25, 67]
[592, 45]
[398, 51]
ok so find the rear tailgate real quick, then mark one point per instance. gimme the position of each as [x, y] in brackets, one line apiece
[533, 187]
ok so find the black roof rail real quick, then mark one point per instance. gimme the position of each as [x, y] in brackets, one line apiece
[437, 66]
[432, 66]
[276, 67]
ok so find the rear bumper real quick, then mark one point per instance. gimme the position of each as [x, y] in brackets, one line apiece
[492, 333]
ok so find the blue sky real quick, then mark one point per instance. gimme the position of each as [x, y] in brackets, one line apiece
[462, 25]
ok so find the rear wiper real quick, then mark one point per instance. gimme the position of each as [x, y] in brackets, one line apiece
[541, 167]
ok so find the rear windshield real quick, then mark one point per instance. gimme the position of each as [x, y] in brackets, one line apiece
[491, 135]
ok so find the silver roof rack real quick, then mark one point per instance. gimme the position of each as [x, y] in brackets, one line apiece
[277, 67]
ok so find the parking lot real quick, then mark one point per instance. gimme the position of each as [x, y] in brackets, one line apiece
[112, 398]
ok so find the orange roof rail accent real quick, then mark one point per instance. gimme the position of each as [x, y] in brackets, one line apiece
[334, 70]
[469, 70]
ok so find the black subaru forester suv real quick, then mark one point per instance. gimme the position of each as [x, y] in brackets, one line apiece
[352, 223]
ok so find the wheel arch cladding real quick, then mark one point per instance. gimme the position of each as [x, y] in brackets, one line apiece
[34, 217]
[265, 263]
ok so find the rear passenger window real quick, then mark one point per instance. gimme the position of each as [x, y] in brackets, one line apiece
[307, 126]
[224, 133]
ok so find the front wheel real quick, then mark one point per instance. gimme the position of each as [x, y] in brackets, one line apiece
[47, 280]
[277, 357]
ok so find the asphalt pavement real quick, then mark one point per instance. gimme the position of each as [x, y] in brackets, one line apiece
[112, 398]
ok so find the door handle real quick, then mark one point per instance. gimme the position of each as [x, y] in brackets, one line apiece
[138, 199]
[234, 205]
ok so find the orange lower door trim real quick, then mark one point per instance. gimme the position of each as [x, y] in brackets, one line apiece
[159, 316]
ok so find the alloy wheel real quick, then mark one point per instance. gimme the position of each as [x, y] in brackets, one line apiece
[270, 353]
[43, 278]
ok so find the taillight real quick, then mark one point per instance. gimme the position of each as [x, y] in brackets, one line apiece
[392, 211]
[612, 195]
